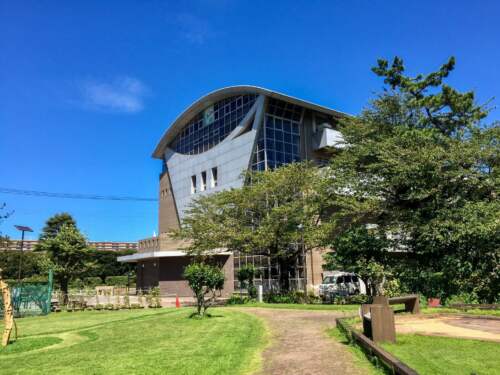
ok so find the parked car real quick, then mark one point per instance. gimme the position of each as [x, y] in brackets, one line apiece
[340, 284]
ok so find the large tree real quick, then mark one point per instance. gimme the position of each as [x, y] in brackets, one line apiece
[422, 166]
[273, 214]
[67, 250]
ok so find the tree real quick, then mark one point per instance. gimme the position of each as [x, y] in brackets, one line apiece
[68, 253]
[205, 280]
[104, 264]
[421, 164]
[263, 217]
[362, 251]
[34, 264]
[246, 275]
[55, 223]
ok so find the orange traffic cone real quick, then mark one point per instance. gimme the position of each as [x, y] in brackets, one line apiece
[177, 302]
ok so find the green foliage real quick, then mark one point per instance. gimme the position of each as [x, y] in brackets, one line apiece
[67, 251]
[246, 275]
[55, 223]
[205, 280]
[33, 264]
[262, 217]
[294, 296]
[462, 298]
[422, 166]
[237, 300]
[104, 264]
[119, 280]
[364, 252]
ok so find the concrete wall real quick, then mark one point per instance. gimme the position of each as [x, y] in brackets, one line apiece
[167, 211]
[314, 265]
[231, 157]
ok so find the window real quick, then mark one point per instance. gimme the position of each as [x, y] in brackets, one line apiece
[203, 186]
[213, 180]
[193, 184]
[278, 140]
[213, 124]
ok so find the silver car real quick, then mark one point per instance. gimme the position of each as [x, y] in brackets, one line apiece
[341, 284]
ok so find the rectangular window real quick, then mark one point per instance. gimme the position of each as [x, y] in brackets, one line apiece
[203, 186]
[193, 184]
[213, 180]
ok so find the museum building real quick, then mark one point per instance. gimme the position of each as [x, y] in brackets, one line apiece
[206, 149]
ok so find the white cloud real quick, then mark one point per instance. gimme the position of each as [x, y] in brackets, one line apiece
[124, 94]
[192, 28]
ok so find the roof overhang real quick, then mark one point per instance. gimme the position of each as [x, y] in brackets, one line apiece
[161, 254]
[217, 95]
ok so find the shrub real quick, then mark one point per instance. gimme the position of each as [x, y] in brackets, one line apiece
[205, 280]
[118, 280]
[245, 276]
[462, 298]
[237, 300]
[294, 296]
[92, 282]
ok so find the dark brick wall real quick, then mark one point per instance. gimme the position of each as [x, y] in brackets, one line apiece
[147, 274]
[171, 281]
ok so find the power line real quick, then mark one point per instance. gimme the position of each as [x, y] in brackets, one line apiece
[35, 193]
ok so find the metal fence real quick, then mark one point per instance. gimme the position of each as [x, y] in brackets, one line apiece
[30, 298]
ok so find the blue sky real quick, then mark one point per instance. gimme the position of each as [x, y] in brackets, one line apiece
[88, 87]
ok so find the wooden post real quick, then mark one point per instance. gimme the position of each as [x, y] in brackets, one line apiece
[8, 316]
[382, 319]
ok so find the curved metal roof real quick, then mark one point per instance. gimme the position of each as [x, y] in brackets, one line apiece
[225, 92]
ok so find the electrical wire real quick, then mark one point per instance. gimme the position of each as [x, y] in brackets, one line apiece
[46, 194]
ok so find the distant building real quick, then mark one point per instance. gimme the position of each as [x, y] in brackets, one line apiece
[206, 149]
[29, 245]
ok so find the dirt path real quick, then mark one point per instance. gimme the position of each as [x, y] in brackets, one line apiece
[300, 344]
[452, 326]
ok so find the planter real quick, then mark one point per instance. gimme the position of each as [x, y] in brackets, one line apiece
[434, 302]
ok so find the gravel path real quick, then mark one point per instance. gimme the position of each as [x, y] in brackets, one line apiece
[300, 344]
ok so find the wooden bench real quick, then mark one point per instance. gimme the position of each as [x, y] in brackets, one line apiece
[411, 302]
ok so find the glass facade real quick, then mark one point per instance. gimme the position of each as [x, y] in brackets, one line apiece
[278, 140]
[270, 272]
[212, 125]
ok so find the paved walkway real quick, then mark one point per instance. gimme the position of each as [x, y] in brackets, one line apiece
[300, 344]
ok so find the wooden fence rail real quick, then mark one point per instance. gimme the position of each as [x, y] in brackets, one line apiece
[373, 349]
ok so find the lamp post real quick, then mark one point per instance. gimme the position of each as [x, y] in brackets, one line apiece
[300, 227]
[23, 229]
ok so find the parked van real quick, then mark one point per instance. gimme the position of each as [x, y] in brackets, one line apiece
[340, 284]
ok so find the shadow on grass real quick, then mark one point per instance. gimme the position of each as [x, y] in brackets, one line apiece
[195, 315]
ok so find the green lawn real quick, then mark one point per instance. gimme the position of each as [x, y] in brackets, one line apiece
[163, 341]
[359, 357]
[443, 355]
[298, 306]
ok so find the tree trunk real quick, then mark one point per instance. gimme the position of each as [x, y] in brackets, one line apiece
[284, 281]
[64, 290]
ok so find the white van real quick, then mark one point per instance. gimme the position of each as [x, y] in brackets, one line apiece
[340, 284]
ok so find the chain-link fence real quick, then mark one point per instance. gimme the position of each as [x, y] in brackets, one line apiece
[30, 298]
